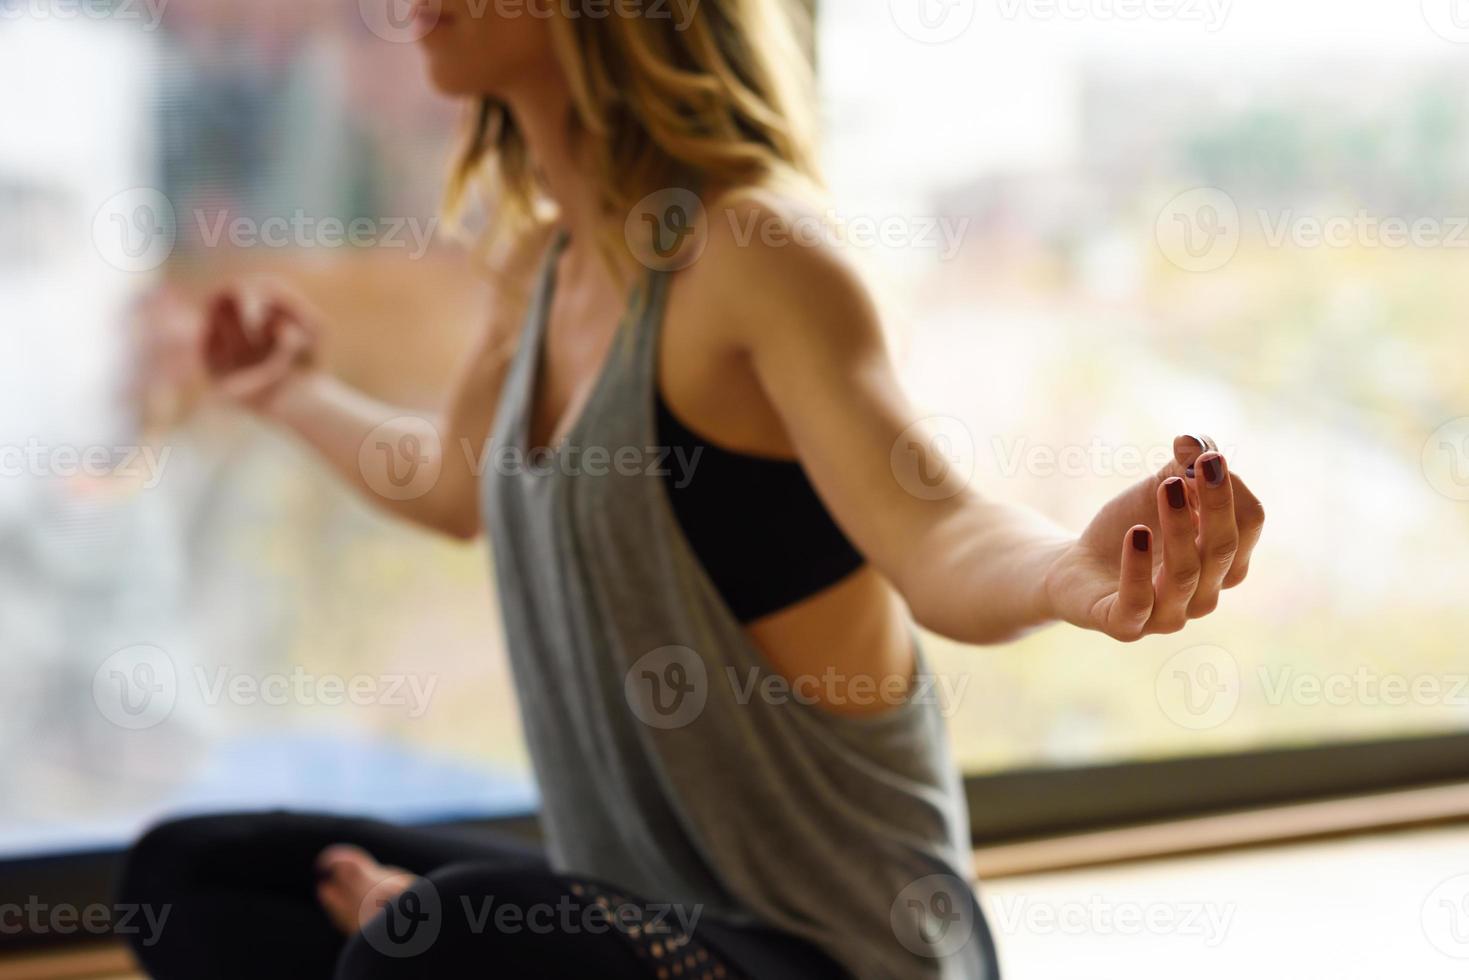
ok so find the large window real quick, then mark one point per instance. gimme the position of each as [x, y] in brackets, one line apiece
[193, 615]
[1104, 224]
[1095, 228]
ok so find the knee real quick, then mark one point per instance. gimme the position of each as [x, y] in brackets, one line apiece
[165, 851]
[172, 857]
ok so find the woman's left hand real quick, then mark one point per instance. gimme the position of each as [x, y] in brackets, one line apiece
[1158, 555]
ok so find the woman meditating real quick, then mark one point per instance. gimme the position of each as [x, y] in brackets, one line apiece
[714, 523]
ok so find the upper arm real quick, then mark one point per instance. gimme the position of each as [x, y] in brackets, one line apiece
[813, 335]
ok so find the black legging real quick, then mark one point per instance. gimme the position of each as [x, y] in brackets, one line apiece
[239, 892]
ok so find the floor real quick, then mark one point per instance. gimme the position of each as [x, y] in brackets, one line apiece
[1390, 906]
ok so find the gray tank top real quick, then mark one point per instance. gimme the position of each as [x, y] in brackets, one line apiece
[671, 760]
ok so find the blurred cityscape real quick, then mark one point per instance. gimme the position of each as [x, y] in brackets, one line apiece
[1058, 328]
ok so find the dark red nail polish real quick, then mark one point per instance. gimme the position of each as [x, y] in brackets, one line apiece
[1141, 538]
[1177, 499]
[1214, 471]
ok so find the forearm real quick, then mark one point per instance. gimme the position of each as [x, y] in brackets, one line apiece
[978, 573]
[410, 471]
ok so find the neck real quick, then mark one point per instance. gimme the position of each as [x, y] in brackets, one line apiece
[543, 112]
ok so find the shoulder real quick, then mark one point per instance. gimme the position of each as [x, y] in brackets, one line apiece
[773, 264]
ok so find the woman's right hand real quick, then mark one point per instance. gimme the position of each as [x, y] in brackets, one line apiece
[259, 339]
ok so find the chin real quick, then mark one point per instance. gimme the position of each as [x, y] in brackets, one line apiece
[446, 81]
[453, 77]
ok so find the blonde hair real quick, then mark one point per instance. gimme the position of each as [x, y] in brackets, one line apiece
[716, 93]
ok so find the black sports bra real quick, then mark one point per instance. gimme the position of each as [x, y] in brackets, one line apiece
[756, 524]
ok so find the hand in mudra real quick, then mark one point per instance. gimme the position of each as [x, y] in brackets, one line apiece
[256, 339]
[1159, 553]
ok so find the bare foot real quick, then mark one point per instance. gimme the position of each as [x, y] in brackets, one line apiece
[353, 887]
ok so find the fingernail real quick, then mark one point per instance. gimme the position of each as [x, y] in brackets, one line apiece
[1141, 538]
[1203, 443]
[1190, 473]
[1177, 499]
[1214, 471]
